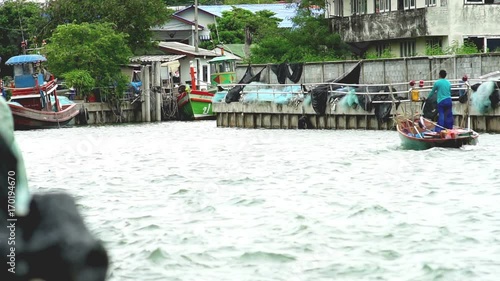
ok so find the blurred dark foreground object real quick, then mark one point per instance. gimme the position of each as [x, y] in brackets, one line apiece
[42, 237]
[54, 243]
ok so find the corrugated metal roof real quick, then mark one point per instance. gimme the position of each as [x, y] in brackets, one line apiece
[156, 58]
[184, 49]
[227, 54]
[236, 49]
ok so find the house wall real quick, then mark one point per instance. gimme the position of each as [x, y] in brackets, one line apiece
[203, 18]
[452, 21]
[185, 35]
[473, 20]
[184, 69]
[176, 30]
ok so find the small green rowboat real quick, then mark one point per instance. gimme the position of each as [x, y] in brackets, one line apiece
[419, 134]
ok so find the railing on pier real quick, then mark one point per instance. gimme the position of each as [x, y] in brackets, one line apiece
[290, 93]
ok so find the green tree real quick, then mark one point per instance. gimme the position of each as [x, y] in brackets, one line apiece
[95, 49]
[238, 26]
[19, 20]
[309, 40]
[81, 80]
[134, 17]
[272, 50]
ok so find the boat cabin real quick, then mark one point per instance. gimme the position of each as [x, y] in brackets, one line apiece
[32, 85]
[27, 72]
[222, 70]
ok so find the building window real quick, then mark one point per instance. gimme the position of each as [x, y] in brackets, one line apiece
[409, 4]
[434, 47]
[407, 48]
[205, 73]
[493, 44]
[429, 3]
[338, 8]
[477, 42]
[382, 6]
[383, 49]
[434, 42]
[358, 7]
[482, 1]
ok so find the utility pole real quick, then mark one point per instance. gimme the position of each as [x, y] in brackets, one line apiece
[196, 36]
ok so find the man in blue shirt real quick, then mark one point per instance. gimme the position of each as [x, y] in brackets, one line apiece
[442, 88]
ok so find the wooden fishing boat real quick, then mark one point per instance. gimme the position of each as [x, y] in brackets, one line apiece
[196, 104]
[34, 102]
[419, 133]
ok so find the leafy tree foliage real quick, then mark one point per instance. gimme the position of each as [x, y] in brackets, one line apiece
[309, 40]
[216, 2]
[134, 17]
[81, 80]
[19, 21]
[93, 50]
[239, 26]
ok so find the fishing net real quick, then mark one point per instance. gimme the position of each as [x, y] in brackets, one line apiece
[234, 94]
[481, 97]
[350, 100]
[259, 92]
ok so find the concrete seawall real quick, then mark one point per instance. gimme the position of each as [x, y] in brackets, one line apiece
[396, 73]
[275, 116]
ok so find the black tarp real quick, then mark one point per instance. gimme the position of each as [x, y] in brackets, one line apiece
[234, 94]
[282, 71]
[297, 69]
[429, 108]
[495, 98]
[383, 110]
[365, 100]
[320, 94]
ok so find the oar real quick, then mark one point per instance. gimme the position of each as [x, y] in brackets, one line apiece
[415, 127]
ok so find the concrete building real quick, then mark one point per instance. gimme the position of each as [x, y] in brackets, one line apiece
[406, 27]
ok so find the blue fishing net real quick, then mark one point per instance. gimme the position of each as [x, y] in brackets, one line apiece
[258, 92]
[481, 97]
[350, 100]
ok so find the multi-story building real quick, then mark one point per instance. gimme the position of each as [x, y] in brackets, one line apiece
[408, 27]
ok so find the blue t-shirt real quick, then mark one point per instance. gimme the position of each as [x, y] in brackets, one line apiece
[443, 89]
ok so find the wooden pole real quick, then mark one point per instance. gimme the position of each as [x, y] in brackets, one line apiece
[196, 36]
[143, 99]
[147, 93]
[158, 90]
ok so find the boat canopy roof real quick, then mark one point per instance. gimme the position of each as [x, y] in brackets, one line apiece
[22, 59]
[221, 58]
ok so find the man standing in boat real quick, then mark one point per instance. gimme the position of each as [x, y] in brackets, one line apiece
[442, 88]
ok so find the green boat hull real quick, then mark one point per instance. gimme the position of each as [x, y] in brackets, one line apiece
[196, 106]
[415, 143]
